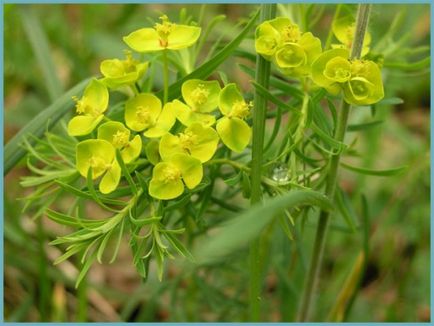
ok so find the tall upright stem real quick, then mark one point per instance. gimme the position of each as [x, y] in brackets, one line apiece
[165, 76]
[262, 77]
[321, 232]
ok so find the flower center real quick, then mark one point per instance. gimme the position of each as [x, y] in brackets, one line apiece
[82, 107]
[98, 165]
[163, 29]
[200, 95]
[143, 115]
[338, 69]
[291, 33]
[129, 63]
[120, 139]
[187, 140]
[170, 174]
[240, 109]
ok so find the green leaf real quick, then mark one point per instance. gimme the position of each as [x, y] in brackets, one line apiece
[45, 120]
[344, 206]
[234, 180]
[72, 221]
[391, 101]
[381, 173]
[118, 242]
[85, 269]
[280, 84]
[364, 126]
[206, 69]
[80, 193]
[41, 49]
[178, 246]
[253, 221]
[270, 97]
[103, 245]
[94, 194]
[126, 173]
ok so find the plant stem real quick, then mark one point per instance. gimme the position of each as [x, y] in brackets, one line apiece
[165, 77]
[318, 250]
[262, 77]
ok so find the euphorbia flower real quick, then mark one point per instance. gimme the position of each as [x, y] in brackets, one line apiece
[343, 28]
[366, 85]
[281, 41]
[99, 155]
[166, 35]
[196, 140]
[201, 97]
[331, 68]
[144, 112]
[360, 80]
[119, 73]
[119, 136]
[232, 129]
[169, 177]
[90, 109]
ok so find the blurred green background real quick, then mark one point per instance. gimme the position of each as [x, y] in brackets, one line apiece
[66, 43]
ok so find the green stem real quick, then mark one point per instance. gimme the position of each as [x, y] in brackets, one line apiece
[268, 11]
[320, 238]
[165, 76]
[82, 301]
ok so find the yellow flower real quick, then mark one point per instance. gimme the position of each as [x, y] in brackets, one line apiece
[281, 41]
[119, 136]
[144, 112]
[164, 35]
[360, 80]
[119, 73]
[196, 140]
[201, 97]
[90, 108]
[234, 132]
[169, 177]
[99, 155]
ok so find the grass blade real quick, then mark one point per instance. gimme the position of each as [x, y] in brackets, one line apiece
[253, 221]
[41, 49]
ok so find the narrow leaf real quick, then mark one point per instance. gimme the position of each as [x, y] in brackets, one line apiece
[380, 173]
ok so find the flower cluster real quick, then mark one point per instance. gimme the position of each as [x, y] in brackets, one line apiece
[281, 41]
[360, 80]
[300, 54]
[177, 150]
